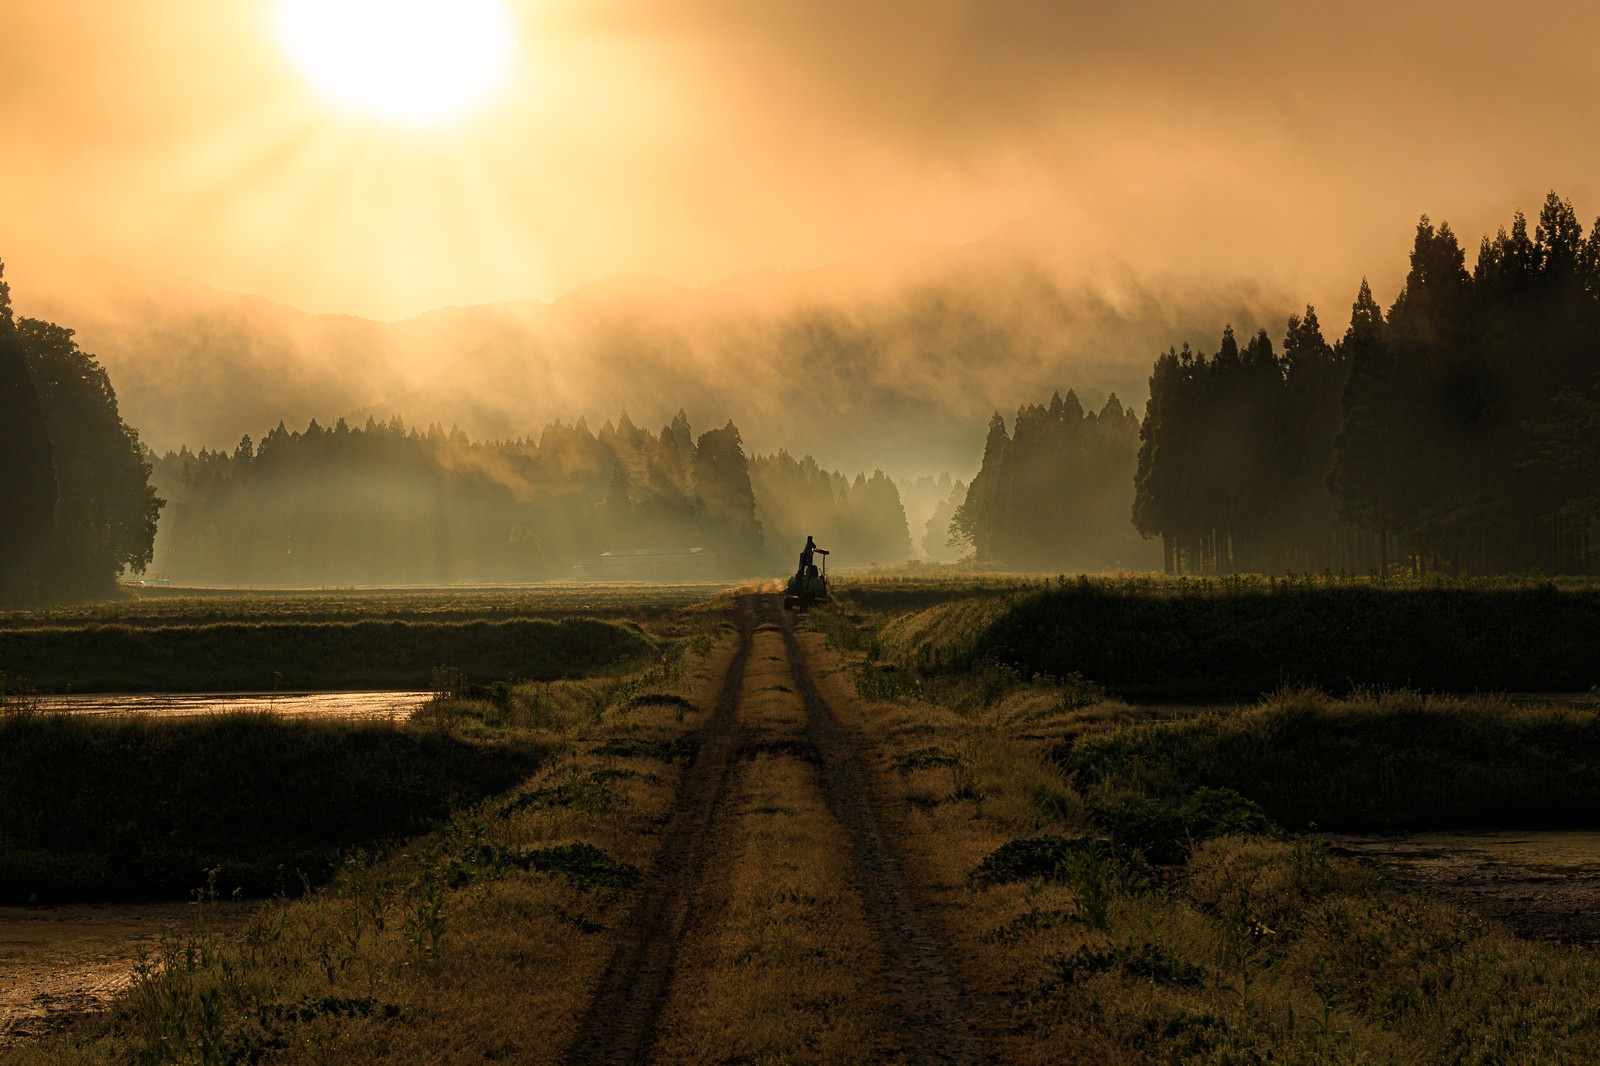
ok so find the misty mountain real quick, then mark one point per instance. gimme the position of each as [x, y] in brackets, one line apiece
[870, 363]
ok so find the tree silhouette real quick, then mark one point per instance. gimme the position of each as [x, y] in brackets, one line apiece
[28, 490]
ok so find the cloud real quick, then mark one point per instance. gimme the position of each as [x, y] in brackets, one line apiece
[1296, 143]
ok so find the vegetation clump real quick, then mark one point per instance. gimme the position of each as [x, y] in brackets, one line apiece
[1042, 857]
[292, 656]
[583, 864]
[1164, 830]
[1373, 761]
[138, 808]
[924, 759]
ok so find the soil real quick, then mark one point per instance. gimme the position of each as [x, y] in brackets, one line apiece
[57, 963]
[1542, 885]
[928, 1009]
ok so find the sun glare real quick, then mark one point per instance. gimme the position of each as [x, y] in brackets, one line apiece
[421, 61]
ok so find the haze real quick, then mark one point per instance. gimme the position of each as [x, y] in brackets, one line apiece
[695, 141]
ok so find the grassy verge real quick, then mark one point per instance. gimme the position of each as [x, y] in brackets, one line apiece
[480, 941]
[1119, 905]
[1371, 761]
[267, 656]
[128, 809]
[455, 603]
[1239, 639]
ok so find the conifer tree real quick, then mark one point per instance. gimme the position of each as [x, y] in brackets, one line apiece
[28, 490]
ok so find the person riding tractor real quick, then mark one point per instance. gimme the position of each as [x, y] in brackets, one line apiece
[809, 584]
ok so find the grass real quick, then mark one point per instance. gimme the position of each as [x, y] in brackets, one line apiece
[295, 656]
[461, 603]
[479, 940]
[1119, 878]
[137, 808]
[1240, 638]
[1374, 761]
[1116, 882]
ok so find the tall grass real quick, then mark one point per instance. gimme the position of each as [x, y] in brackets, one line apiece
[236, 656]
[135, 808]
[1372, 761]
[1240, 639]
[1113, 876]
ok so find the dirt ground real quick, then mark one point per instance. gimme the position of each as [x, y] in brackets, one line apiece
[59, 962]
[1541, 885]
[779, 718]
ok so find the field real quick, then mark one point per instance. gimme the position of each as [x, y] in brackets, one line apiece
[859, 835]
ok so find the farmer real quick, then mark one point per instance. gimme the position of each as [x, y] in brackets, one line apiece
[807, 569]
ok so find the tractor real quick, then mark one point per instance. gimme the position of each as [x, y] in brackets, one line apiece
[809, 585]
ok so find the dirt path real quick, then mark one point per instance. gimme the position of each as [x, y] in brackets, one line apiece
[930, 1005]
[620, 1024]
[730, 800]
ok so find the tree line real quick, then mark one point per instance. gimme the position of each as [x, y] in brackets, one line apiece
[1457, 431]
[76, 503]
[383, 504]
[1055, 490]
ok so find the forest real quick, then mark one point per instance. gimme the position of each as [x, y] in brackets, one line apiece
[381, 504]
[1459, 431]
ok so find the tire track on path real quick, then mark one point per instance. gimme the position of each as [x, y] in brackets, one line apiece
[620, 1024]
[931, 1007]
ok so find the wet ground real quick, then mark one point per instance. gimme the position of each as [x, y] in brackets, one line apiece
[59, 962]
[360, 706]
[1543, 885]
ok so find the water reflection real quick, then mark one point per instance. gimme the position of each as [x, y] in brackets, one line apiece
[347, 706]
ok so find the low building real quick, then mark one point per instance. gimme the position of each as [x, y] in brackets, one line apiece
[649, 564]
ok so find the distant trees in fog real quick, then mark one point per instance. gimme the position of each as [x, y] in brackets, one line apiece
[76, 505]
[383, 504]
[1055, 491]
[1459, 430]
[861, 521]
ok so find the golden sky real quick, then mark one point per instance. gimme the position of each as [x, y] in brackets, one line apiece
[696, 140]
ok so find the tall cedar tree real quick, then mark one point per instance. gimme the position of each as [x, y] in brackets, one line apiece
[27, 472]
[1054, 493]
[1462, 435]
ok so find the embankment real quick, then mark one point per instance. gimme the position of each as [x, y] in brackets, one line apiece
[293, 656]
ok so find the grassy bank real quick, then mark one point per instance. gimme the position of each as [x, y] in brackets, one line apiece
[267, 656]
[1239, 639]
[480, 941]
[125, 809]
[1113, 882]
[1369, 762]
[157, 605]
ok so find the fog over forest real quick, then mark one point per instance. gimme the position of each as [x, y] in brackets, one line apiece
[891, 363]
[1454, 429]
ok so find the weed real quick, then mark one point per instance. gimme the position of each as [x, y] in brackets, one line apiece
[1166, 829]
[1037, 858]
[886, 681]
[585, 865]
[1155, 963]
[924, 759]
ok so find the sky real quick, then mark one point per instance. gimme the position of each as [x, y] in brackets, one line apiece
[1295, 143]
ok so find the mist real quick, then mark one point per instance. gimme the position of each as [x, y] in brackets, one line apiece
[869, 364]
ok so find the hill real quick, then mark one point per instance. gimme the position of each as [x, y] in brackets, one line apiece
[863, 364]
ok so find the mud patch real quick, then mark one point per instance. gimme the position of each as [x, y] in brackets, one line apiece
[57, 963]
[1541, 885]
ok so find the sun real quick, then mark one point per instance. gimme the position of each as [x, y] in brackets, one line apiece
[411, 61]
